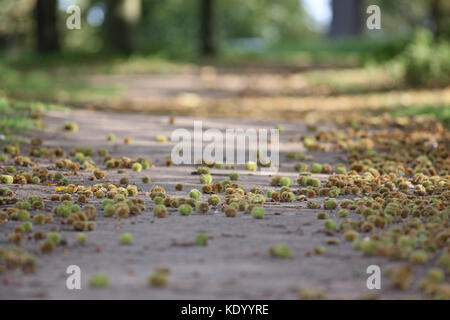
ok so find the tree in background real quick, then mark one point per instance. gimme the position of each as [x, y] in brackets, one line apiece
[14, 29]
[172, 27]
[180, 28]
[440, 15]
[122, 17]
[169, 26]
[208, 37]
[347, 18]
[405, 16]
[276, 23]
[47, 39]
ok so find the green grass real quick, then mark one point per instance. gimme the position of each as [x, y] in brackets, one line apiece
[441, 112]
[18, 116]
[311, 51]
[52, 85]
[66, 77]
[79, 63]
[16, 123]
[308, 52]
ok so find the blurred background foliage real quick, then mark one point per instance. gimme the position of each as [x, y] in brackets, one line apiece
[325, 41]
[171, 28]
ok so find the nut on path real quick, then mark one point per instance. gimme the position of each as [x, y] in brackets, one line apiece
[98, 190]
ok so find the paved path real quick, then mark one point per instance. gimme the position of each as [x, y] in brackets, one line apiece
[235, 264]
[259, 93]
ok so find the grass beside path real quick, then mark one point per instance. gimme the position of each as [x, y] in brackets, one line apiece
[18, 115]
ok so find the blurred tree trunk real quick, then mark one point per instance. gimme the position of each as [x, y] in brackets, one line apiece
[46, 26]
[122, 16]
[439, 13]
[347, 18]
[208, 41]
